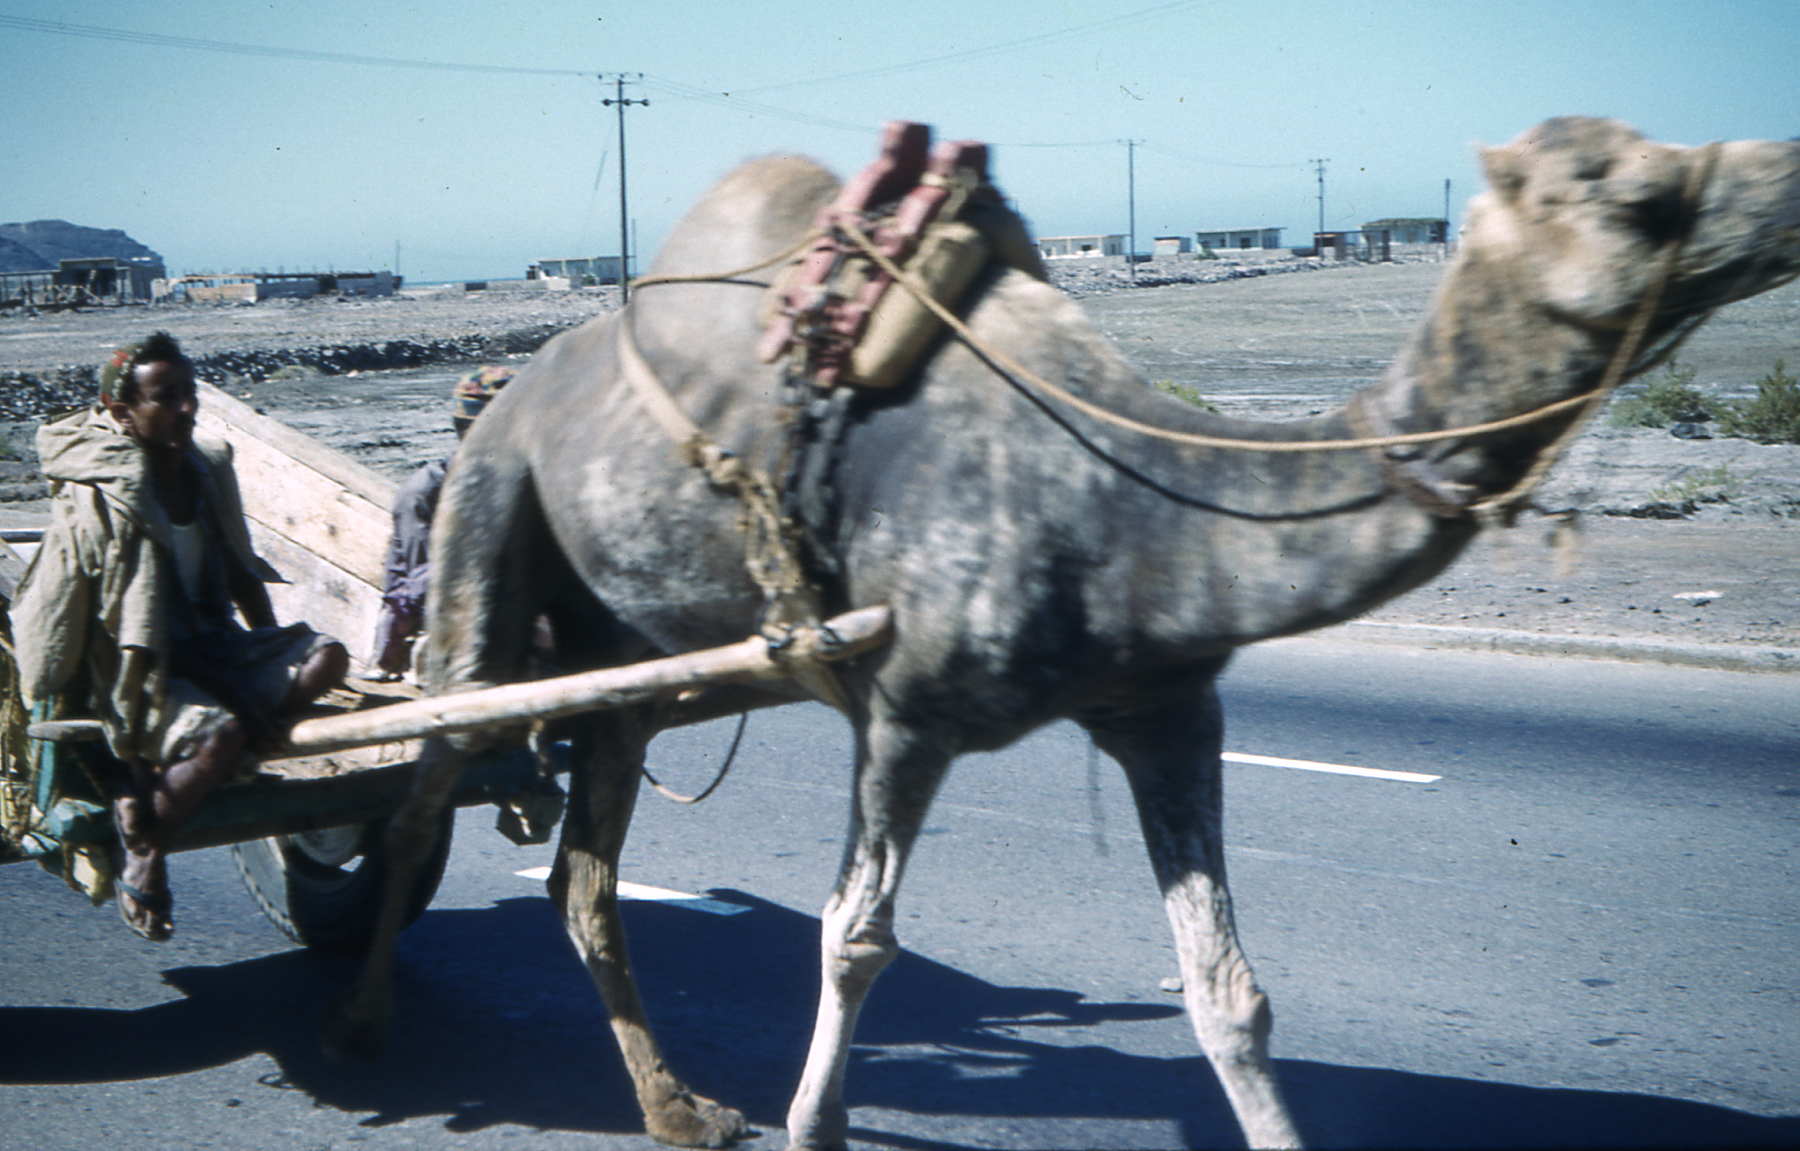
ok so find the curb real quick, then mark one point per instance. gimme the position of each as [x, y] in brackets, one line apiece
[1713, 656]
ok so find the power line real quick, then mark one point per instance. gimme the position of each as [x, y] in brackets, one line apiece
[1055, 143]
[229, 47]
[675, 89]
[265, 51]
[1217, 162]
[682, 91]
[975, 53]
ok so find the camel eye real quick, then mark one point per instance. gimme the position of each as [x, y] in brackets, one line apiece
[1657, 217]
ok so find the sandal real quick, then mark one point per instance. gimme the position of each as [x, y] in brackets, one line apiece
[158, 924]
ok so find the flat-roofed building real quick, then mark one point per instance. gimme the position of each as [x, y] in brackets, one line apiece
[1238, 239]
[577, 270]
[1076, 247]
[1409, 229]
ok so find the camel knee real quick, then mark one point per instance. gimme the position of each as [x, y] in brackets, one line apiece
[1233, 1017]
[854, 958]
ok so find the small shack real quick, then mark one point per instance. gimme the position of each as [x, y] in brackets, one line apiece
[86, 280]
[250, 287]
[1079, 247]
[1408, 229]
[578, 271]
[1170, 246]
[1237, 239]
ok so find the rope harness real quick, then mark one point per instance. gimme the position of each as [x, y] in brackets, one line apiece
[792, 604]
[1434, 498]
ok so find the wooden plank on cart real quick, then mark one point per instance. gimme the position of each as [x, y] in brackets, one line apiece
[318, 516]
[12, 569]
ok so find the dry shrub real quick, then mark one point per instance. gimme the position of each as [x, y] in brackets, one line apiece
[1667, 399]
[1772, 416]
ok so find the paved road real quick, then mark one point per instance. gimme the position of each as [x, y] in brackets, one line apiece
[1581, 934]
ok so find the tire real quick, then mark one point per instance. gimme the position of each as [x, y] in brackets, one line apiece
[323, 888]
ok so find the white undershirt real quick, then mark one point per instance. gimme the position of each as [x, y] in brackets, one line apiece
[190, 552]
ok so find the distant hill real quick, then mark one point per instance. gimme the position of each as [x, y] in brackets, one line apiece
[41, 244]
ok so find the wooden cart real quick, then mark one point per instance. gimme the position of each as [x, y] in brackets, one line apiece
[307, 830]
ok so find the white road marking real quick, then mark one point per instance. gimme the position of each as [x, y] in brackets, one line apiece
[655, 894]
[1330, 768]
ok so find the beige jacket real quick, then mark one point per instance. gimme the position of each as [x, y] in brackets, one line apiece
[98, 593]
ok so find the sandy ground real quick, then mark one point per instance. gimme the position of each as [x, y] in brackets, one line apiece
[1274, 347]
[1289, 346]
[43, 342]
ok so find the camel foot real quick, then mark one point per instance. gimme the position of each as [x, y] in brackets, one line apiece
[350, 1034]
[819, 1143]
[689, 1120]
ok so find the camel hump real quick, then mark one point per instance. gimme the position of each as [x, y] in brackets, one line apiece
[757, 210]
[899, 245]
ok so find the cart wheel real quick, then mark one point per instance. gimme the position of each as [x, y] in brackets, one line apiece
[323, 888]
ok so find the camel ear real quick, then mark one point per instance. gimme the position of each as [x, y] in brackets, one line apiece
[1505, 171]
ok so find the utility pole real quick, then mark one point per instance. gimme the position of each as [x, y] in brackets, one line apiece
[1319, 168]
[619, 101]
[1131, 204]
[1446, 214]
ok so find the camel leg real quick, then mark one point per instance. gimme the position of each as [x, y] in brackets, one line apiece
[491, 561]
[358, 1025]
[1171, 757]
[584, 884]
[897, 774]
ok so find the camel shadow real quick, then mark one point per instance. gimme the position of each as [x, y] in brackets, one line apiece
[498, 1024]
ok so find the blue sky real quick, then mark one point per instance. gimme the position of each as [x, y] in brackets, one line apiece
[223, 160]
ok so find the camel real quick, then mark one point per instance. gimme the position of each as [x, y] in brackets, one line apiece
[1040, 564]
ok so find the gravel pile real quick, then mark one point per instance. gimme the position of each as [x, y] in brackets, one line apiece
[49, 361]
[1098, 277]
[1081, 278]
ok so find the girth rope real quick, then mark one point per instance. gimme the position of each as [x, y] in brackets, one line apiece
[791, 608]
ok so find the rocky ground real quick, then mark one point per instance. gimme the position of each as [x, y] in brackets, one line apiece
[1686, 541]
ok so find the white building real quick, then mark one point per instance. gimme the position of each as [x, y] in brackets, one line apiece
[1073, 247]
[1408, 229]
[578, 270]
[1238, 239]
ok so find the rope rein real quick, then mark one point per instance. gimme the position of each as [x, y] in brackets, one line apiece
[724, 770]
[1692, 192]
[1586, 402]
[791, 602]
[720, 277]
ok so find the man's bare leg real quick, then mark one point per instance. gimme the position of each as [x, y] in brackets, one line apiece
[150, 813]
[322, 671]
[161, 799]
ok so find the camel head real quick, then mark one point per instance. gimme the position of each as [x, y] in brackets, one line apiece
[1579, 213]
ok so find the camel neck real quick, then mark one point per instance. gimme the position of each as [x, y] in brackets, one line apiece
[1483, 354]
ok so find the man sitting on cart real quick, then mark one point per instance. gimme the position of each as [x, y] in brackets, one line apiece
[408, 570]
[130, 600]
